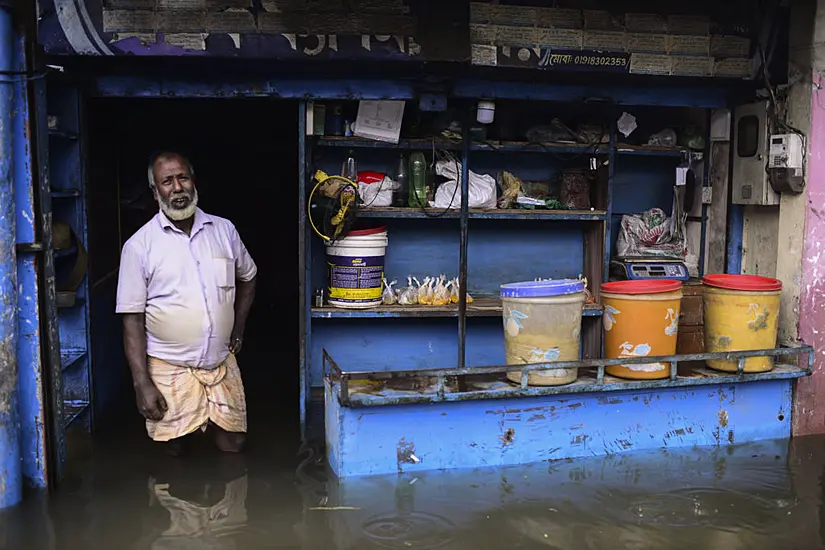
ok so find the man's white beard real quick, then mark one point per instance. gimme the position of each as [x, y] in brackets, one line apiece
[179, 214]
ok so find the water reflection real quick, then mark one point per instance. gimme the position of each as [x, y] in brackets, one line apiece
[761, 496]
[198, 524]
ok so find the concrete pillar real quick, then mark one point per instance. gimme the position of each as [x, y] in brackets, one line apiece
[11, 478]
[805, 256]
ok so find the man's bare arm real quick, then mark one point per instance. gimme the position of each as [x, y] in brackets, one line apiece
[244, 297]
[149, 400]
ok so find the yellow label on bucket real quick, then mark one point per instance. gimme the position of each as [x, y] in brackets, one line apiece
[355, 293]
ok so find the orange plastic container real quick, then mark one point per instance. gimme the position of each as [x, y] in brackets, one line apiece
[641, 318]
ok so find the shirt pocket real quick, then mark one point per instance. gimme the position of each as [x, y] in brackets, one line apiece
[224, 270]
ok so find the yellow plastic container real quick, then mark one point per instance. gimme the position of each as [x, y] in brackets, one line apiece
[542, 324]
[641, 318]
[741, 314]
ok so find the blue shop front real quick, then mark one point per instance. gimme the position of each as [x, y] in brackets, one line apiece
[410, 164]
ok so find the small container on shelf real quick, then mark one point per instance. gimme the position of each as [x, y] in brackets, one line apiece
[542, 324]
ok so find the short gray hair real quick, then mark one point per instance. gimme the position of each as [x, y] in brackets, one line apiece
[150, 172]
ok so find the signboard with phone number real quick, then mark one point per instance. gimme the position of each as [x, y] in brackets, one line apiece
[563, 60]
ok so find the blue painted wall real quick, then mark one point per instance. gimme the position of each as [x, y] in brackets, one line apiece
[639, 184]
[384, 344]
[509, 251]
[416, 247]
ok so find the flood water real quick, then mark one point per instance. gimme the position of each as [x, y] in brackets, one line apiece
[125, 494]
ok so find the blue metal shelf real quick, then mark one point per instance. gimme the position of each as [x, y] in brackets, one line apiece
[65, 252]
[650, 151]
[441, 143]
[479, 214]
[551, 215]
[65, 194]
[78, 302]
[481, 307]
[72, 410]
[67, 173]
[410, 144]
[531, 147]
[69, 357]
[407, 213]
[57, 132]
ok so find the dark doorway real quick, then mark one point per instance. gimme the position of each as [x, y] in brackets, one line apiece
[244, 153]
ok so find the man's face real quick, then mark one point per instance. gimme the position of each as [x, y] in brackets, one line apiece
[175, 188]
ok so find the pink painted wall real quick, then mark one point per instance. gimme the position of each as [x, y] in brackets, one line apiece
[809, 402]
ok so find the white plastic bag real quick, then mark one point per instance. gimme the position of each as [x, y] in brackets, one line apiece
[374, 191]
[448, 195]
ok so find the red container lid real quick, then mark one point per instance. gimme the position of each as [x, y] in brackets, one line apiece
[656, 286]
[748, 283]
[365, 232]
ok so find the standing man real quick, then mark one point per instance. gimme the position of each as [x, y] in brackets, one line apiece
[185, 288]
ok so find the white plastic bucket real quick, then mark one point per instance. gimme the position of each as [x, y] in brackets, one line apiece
[542, 324]
[355, 269]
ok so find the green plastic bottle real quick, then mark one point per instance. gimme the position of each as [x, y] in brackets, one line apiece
[418, 180]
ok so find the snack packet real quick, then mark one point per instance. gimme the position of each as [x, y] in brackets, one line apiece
[441, 292]
[425, 292]
[388, 296]
[408, 295]
[455, 291]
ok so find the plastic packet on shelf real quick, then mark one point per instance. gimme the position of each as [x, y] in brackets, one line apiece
[425, 292]
[388, 296]
[455, 290]
[408, 296]
[441, 292]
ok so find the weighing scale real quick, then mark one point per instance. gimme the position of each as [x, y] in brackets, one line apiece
[635, 269]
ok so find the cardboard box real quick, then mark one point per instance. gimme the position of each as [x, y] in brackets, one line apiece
[649, 23]
[566, 39]
[641, 63]
[732, 68]
[688, 45]
[691, 65]
[605, 41]
[647, 43]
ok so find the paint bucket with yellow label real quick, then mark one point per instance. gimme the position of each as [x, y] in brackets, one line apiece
[355, 267]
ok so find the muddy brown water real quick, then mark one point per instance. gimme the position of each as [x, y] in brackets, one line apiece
[123, 494]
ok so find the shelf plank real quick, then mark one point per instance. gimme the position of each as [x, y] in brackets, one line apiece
[442, 143]
[502, 146]
[65, 252]
[527, 214]
[533, 147]
[481, 307]
[482, 214]
[410, 144]
[65, 193]
[70, 356]
[406, 213]
[72, 410]
[77, 303]
[650, 150]
[65, 134]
